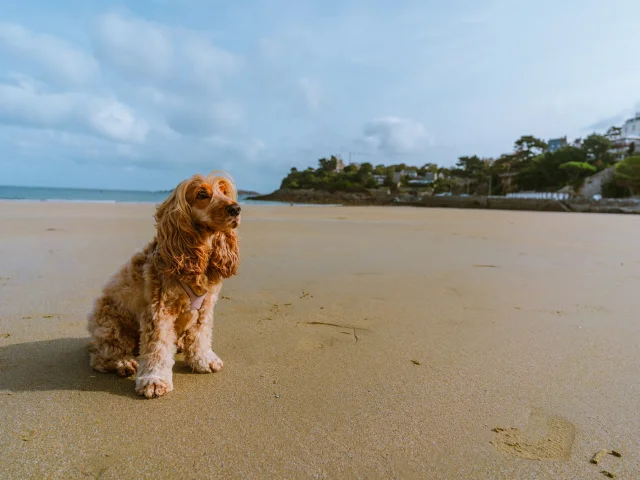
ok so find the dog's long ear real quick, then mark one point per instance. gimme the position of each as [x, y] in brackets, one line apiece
[178, 241]
[225, 257]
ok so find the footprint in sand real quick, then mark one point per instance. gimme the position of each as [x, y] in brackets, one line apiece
[545, 437]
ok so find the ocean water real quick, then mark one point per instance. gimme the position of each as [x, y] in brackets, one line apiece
[46, 194]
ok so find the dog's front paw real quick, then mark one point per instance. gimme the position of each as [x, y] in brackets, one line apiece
[127, 367]
[206, 363]
[152, 387]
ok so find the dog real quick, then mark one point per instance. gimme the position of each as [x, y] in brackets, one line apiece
[163, 298]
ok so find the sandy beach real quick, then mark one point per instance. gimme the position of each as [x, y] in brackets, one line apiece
[359, 342]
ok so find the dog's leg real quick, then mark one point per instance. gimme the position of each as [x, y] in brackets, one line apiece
[197, 343]
[113, 339]
[157, 348]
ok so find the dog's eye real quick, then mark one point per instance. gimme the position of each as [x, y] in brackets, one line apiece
[202, 194]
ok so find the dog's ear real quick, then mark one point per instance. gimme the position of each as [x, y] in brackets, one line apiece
[177, 237]
[225, 257]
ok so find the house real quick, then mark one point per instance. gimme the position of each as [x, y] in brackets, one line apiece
[428, 179]
[380, 179]
[397, 176]
[631, 128]
[620, 147]
[629, 140]
[556, 144]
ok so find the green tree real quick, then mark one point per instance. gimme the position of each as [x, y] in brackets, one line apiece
[380, 170]
[543, 173]
[631, 150]
[366, 169]
[530, 145]
[597, 148]
[470, 167]
[427, 168]
[627, 174]
[328, 164]
[613, 133]
[526, 149]
[611, 189]
[577, 172]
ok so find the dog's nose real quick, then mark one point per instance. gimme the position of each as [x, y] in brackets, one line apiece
[233, 210]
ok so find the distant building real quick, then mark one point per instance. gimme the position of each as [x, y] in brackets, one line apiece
[397, 176]
[556, 144]
[620, 147]
[339, 165]
[380, 179]
[631, 128]
[428, 179]
[630, 135]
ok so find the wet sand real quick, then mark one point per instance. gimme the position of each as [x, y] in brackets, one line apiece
[358, 343]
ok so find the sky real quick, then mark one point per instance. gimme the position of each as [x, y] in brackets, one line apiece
[142, 94]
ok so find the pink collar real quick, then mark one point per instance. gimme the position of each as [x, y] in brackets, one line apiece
[196, 301]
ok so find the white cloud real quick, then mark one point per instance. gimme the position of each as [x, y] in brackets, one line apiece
[393, 135]
[133, 46]
[48, 53]
[207, 63]
[162, 55]
[31, 104]
[113, 119]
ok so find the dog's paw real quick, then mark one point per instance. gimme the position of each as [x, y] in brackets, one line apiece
[152, 387]
[127, 367]
[206, 363]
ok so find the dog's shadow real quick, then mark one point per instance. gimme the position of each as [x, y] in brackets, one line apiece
[60, 364]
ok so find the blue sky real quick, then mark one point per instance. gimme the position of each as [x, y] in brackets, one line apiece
[142, 94]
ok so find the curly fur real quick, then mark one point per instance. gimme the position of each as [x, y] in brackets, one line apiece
[144, 311]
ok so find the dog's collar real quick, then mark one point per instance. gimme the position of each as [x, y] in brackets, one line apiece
[196, 300]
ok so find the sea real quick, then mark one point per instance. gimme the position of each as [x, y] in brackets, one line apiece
[83, 195]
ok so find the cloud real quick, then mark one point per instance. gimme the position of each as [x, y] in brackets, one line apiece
[393, 135]
[47, 54]
[161, 55]
[30, 104]
[133, 46]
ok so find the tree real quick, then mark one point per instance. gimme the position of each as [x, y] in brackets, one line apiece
[366, 169]
[577, 172]
[526, 149]
[380, 170]
[470, 167]
[597, 148]
[329, 164]
[543, 173]
[613, 133]
[428, 168]
[531, 145]
[627, 174]
[631, 150]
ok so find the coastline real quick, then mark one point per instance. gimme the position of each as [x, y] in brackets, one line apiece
[609, 206]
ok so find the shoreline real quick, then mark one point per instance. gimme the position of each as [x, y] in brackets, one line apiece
[608, 206]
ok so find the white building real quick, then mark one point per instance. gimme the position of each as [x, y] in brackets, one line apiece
[630, 135]
[631, 128]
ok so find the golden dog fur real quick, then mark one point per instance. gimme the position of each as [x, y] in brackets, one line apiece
[144, 312]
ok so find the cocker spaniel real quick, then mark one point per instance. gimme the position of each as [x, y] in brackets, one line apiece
[164, 296]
